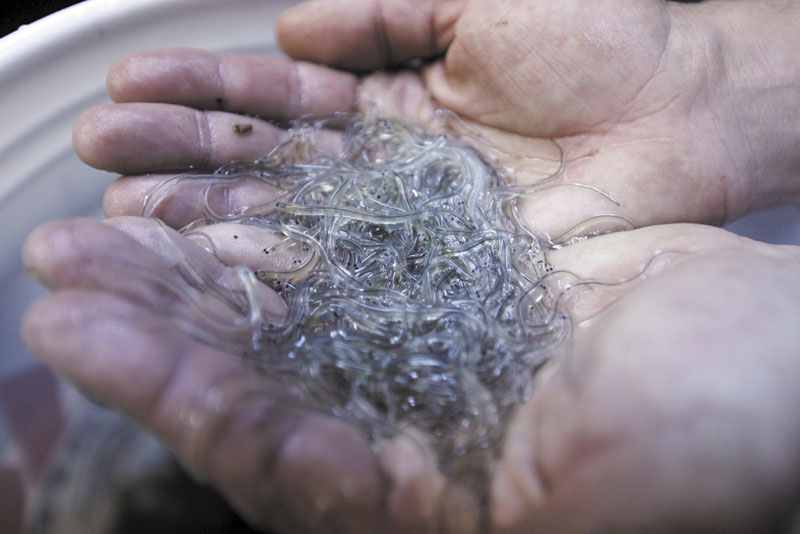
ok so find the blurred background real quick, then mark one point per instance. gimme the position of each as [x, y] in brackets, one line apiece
[15, 13]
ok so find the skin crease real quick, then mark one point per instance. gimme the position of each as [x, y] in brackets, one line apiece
[673, 408]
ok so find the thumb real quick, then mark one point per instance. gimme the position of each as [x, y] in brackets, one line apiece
[367, 34]
[673, 410]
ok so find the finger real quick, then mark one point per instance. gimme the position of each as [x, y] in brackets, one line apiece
[596, 272]
[139, 138]
[684, 371]
[207, 253]
[617, 256]
[272, 256]
[81, 253]
[368, 34]
[271, 87]
[139, 260]
[280, 465]
[643, 181]
[401, 96]
[179, 200]
[269, 254]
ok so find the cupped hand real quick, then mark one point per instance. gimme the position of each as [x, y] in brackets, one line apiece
[660, 419]
[666, 112]
[673, 411]
[680, 112]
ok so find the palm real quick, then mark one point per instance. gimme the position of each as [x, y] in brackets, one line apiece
[639, 149]
[622, 87]
[575, 457]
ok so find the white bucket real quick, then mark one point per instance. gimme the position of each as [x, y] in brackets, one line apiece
[54, 69]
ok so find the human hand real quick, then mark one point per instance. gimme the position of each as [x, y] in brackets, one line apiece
[680, 112]
[673, 410]
[147, 137]
[668, 109]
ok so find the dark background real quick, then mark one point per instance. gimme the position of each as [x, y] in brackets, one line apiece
[15, 13]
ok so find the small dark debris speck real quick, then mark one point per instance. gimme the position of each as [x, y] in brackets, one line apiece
[242, 128]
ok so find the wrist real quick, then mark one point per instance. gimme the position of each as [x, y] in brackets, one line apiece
[753, 76]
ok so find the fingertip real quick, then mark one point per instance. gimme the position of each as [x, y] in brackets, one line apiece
[337, 33]
[52, 325]
[32, 247]
[113, 203]
[125, 196]
[291, 28]
[179, 75]
[31, 326]
[82, 136]
[131, 78]
[367, 34]
[116, 79]
[93, 130]
[41, 248]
